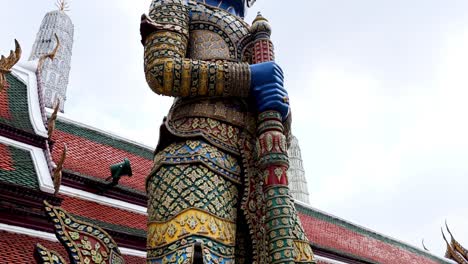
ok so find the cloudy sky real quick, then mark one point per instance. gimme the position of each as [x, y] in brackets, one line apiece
[379, 93]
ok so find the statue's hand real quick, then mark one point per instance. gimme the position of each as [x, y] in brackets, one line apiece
[267, 87]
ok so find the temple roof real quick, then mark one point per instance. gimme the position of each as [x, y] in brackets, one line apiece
[330, 234]
[24, 169]
[20, 112]
[23, 166]
[107, 217]
[14, 105]
[91, 152]
[17, 167]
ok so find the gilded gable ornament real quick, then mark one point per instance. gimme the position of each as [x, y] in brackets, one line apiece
[57, 172]
[50, 55]
[84, 242]
[7, 63]
[455, 251]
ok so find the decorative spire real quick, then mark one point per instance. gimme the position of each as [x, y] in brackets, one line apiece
[296, 173]
[63, 5]
[54, 41]
[7, 63]
[260, 25]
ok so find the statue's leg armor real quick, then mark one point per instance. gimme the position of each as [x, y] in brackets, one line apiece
[193, 204]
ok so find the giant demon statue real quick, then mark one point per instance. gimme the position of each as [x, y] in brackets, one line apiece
[218, 190]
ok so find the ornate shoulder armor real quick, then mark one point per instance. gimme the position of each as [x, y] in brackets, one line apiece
[216, 34]
[166, 36]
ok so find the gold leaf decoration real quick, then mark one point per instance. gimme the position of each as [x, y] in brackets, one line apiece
[63, 5]
[57, 177]
[6, 63]
[52, 54]
[53, 119]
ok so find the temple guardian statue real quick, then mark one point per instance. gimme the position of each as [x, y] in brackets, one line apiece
[218, 189]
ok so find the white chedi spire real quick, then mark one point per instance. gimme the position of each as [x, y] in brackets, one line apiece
[54, 74]
[296, 173]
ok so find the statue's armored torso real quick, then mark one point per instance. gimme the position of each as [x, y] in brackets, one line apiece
[217, 36]
[205, 203]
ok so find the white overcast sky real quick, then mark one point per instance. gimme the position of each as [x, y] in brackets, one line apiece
[379, 92]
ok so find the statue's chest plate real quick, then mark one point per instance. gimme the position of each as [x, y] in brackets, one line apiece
[207, 45]
[216, 34]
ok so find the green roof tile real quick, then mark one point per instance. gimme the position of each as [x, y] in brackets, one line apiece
[17, 105]
[23, 173]
[104, 139]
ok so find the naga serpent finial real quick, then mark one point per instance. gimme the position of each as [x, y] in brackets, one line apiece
[452, 252]
[424, 246]
[53, 119]
[63, 5]
[448, 229]
[52, 54]
[443, 235]
[57, 177]
[7, 63]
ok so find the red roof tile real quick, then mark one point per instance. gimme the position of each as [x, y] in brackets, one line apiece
[341, 239]
[18, 249]
[6, 161]
[103, 213]
[93, 159]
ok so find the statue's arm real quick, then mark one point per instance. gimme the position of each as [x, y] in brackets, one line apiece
[168, 72]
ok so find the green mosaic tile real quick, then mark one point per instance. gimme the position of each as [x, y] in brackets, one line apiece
[104, 139]
[24, 173]
[18, 105]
